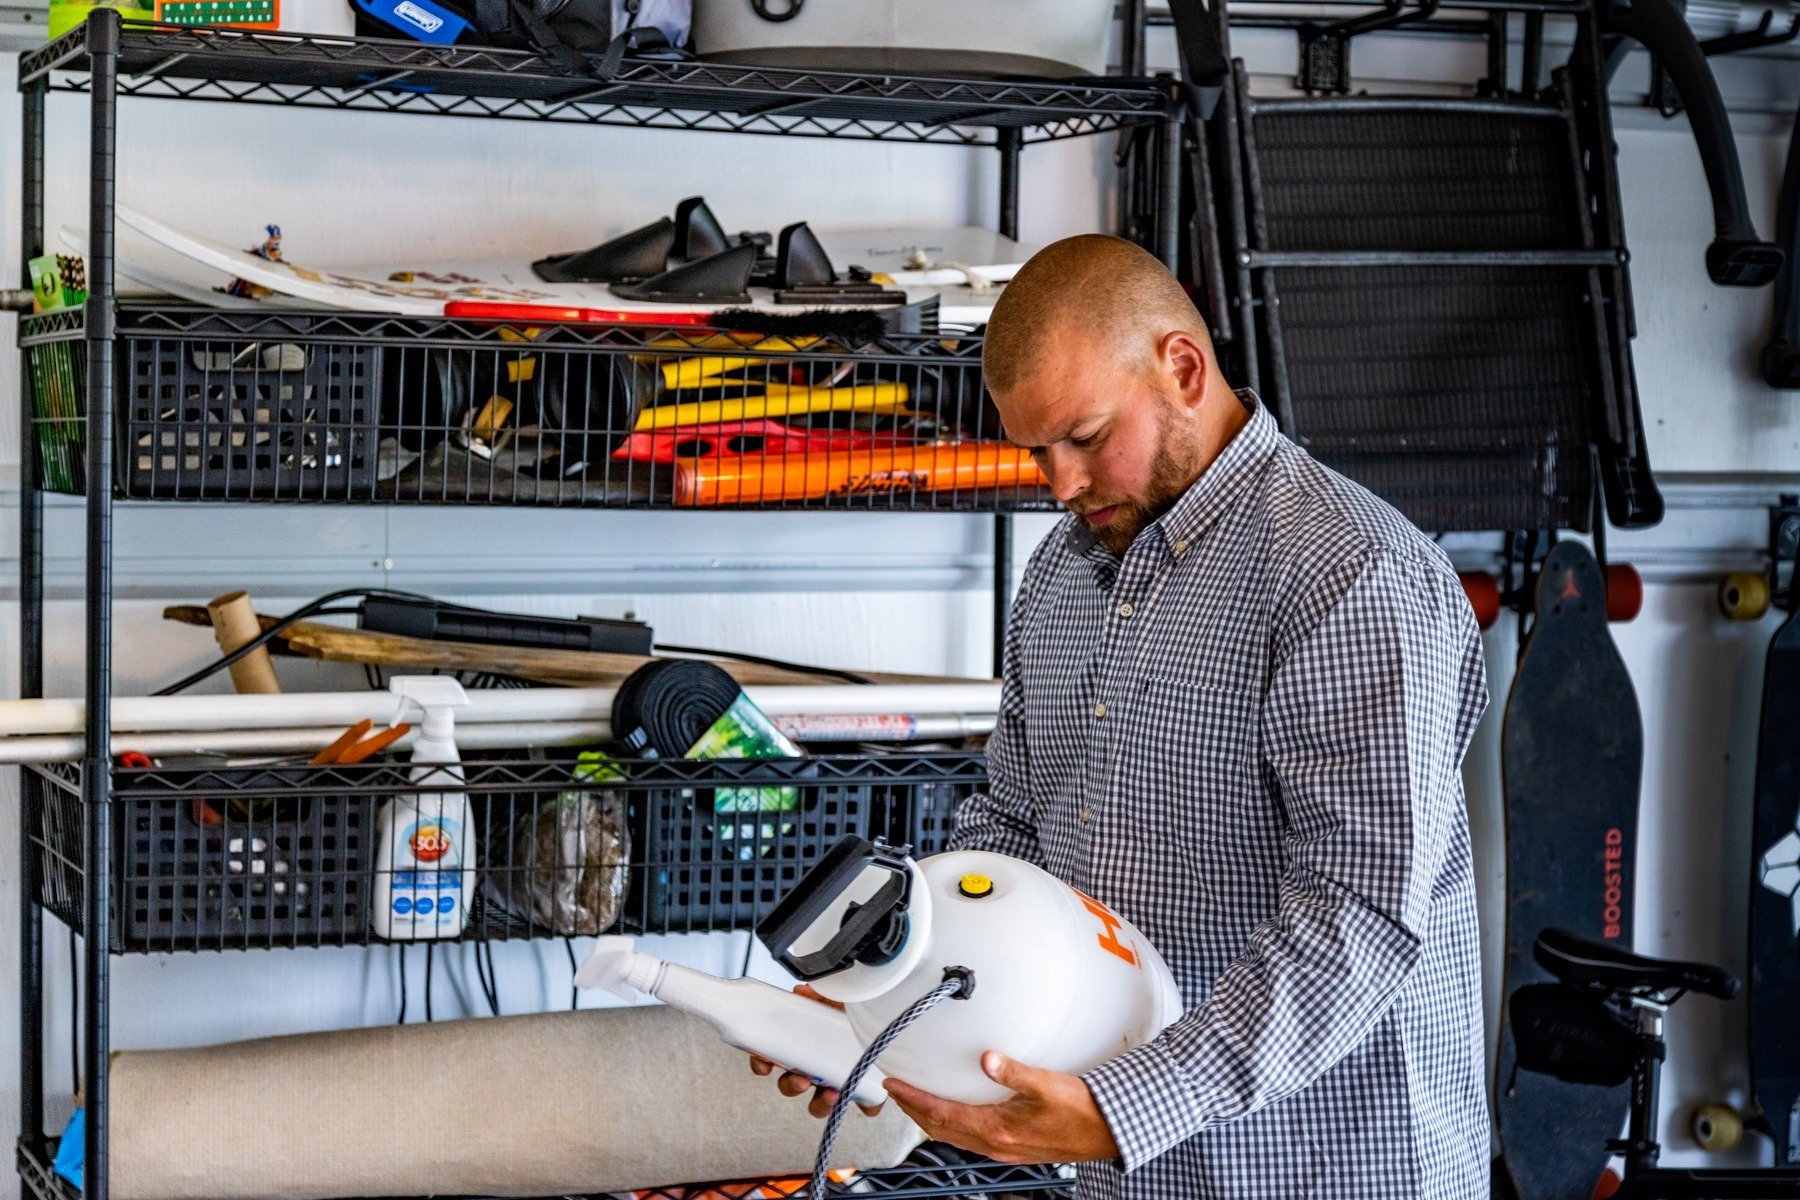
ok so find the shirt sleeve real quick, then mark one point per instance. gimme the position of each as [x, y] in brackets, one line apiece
[1363, 731]
[1001, 819]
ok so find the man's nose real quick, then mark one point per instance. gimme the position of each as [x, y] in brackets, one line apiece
[1063, 469]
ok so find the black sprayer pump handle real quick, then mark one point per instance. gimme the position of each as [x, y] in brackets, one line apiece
[865, 924]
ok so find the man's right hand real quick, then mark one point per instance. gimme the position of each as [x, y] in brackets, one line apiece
[792, 1083]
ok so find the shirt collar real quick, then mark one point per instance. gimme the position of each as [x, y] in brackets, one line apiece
[1205, 501]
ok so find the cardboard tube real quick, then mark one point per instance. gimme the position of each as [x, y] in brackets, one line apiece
[545, 1105]
[234, 623]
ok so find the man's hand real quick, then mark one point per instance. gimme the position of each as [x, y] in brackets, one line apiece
[792, 1083]
[1050, 1118]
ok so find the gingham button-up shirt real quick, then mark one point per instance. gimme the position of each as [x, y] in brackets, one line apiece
[1246, 736]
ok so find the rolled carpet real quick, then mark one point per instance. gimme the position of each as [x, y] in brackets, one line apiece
[604, 1100]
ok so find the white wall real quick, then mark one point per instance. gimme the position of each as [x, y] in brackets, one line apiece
[905, 593]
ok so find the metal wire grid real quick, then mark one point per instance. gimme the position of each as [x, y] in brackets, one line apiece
[1429, 300]
[984, 1180]
[305, 407]
[184, 62]
[241, 858]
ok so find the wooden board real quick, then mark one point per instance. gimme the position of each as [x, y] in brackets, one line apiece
[568, 668]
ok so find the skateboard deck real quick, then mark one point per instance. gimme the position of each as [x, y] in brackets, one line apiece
[1775, 898]
[1571, 754]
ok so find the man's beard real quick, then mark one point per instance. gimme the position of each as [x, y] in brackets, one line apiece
[1173, 471]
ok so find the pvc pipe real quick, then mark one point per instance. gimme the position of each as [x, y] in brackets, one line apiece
[150, 714]
[494, 735]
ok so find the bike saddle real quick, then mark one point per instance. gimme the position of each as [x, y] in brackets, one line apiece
[1583, 962]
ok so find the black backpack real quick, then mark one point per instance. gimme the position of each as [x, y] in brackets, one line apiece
[566, 31]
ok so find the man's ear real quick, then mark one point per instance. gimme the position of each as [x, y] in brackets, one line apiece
[1184, 357]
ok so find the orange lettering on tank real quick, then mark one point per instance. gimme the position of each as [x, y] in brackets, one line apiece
[1109, 928]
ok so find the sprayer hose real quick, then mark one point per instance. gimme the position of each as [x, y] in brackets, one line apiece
[958, 982]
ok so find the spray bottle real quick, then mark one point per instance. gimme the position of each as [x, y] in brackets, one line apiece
[425, 875]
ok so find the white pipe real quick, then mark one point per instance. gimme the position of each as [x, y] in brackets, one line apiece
[149, 714]
[50, 748]
[494, 735]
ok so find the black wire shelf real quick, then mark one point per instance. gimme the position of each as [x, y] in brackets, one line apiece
[318, 407]
[908, 1181]
[238, 66]
[283, 854]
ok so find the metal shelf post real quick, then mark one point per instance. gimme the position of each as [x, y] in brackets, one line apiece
[31, 649]
[103, 48]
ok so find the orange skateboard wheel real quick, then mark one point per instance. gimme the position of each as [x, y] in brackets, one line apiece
[1483, 591]
[1624, 592]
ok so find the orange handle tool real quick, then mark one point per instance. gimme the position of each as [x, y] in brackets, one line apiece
[954, 466]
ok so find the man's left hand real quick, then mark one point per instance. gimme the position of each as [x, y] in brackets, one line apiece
[1050, 1118]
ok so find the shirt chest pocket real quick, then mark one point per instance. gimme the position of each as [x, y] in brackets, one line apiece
[1187, 755]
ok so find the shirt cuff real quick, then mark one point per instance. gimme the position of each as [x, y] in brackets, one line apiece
[1147, 1102]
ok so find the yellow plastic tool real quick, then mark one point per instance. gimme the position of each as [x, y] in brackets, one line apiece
[779, 400]
[695, 372]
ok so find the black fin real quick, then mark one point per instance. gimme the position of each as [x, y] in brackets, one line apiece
[723, 278]
[636, 255]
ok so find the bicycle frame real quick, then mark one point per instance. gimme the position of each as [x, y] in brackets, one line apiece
[1644, 1180]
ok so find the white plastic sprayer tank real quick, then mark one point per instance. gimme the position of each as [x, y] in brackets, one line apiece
[1060, 980]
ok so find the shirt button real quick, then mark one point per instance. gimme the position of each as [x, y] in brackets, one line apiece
[1099, 711]
[1087, 816]
[1180, 545]
[1125, 610]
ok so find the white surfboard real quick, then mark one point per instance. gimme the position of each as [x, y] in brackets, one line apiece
[144, 267]
[921, 257]
[411, 288]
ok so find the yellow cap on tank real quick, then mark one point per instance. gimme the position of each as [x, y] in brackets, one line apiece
[975, 885]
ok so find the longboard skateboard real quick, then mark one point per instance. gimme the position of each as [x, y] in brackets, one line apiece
[1571, 759]
[1775, 869]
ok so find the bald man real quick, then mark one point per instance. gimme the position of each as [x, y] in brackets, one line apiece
[1237, 693]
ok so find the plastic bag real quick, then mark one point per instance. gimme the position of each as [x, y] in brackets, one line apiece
[566, 869]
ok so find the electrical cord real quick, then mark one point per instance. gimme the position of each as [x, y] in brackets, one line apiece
[312, 608]
[959, 982]
[429, 948]
[484, 973]
[574, 992]
[493, 978]
[400, 952]
[779, 663]
[319, 608]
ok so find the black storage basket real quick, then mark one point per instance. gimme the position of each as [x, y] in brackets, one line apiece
[700, 869]
[206, 873]
[206, 415]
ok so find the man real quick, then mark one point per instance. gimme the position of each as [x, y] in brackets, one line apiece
[1238, 689]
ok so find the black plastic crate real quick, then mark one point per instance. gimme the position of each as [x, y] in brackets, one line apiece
[703, 868]
[223, 857]
[206, 416]
[269, 871]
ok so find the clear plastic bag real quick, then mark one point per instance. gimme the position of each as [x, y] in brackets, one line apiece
[566, 869]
